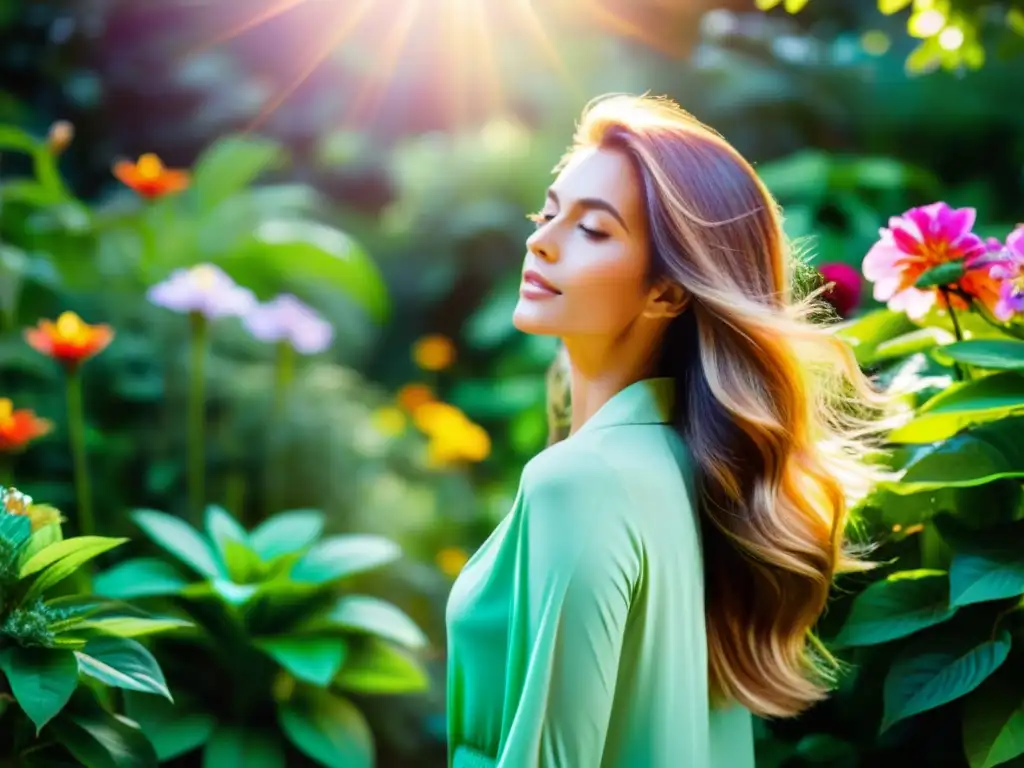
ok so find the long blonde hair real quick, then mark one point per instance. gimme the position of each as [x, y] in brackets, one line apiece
[774, 408]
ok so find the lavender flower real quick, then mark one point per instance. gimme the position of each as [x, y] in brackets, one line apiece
[285, 318]
[203, 289]
[1010, 271]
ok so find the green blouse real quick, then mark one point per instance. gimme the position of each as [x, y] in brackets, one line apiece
[576, 633]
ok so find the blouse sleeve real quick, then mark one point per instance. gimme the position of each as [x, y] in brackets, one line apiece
[578, 562]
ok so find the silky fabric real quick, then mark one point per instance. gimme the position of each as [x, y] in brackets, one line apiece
[576, 633]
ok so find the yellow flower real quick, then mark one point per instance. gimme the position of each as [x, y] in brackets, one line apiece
[434, 352]
[389, 421]
[14, 502]
[451, 560]
[453, 437]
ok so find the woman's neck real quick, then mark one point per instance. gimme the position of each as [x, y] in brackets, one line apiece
[596, 375]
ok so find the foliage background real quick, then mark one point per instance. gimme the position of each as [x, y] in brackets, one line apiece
[430, 163]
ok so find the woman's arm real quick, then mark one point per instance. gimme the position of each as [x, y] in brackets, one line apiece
[578, 561]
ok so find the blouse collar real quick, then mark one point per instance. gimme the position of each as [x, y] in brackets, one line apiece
[648, 401]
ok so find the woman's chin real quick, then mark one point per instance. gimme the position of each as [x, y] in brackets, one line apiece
[530, 318]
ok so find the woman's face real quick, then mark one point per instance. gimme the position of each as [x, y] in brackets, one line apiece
[586, 267]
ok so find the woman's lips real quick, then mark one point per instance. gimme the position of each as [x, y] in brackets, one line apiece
[534, 286]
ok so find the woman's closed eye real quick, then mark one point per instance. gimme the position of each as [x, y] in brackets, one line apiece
[543, 218]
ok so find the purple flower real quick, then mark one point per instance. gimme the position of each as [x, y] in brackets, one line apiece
[285, 318]
[1010, 272]
[203, 289]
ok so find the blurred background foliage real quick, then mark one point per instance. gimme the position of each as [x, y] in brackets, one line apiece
[377, 159]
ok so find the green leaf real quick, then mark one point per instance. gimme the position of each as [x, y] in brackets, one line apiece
[981, 455]
[17, 140]
[931, 674]
[41, 679]
[889, 7]
[896, 607]
[122, 663]
[309, 253]
[172, 728]
[235, 594]
[338, 557]
[287, 532]
[942, 274]
[314, 660]
[867, 333]
[243, 748]
[222, 527]
[140, 577]
[993, 721]
[908, 344]
[987, 565]
[133, 626]
[362, 613]
[231, 541]
[229, 165]
[180, 539]
[374, 666]
[995, 354]
[40, 540]
[971, 402]
[328, 729]
[91, 545]
[74, 559]
[99, 739]
[16, 529]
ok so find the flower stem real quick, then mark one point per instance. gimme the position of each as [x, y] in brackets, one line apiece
[76, 435]
[6, 471]
[957, 332]
[196, 445]
[284, 374]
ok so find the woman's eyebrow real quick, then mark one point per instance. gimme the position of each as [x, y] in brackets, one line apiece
[593, 203]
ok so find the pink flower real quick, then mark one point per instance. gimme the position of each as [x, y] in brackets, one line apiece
[1010, 272]
[845, 292]
[920, 239]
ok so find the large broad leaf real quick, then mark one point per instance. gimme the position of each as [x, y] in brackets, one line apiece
[983, 454]
[287, 532]
[362, 613]
[231, 542]
[993, 722]
[141, 577]
[17, 529]
[40, 540]
[314, 660]
[896, 607]
[373, 666]
[931, 673]
[992, 397]
[987, 565]
[122, 663]
[340, 556]
[243, 748]
[41, 679]
[180, 539]
[995, 354]
[307, 253]
[328, 729]
[230, 165]
[173, 728]
[99, 739]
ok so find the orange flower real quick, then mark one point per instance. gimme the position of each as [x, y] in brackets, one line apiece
[434, 352]
[453, 437]
[149, 178]
[412, 396]
[19, 427]
[451, 560]
[70, 341]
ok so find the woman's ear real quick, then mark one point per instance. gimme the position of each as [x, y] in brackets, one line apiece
[667, 300]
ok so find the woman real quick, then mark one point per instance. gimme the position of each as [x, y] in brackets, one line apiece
[659, 574]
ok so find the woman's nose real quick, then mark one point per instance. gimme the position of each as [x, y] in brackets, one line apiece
[542, 245]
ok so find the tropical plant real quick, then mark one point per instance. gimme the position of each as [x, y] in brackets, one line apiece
[934, 635]
[49, 643]
[278, 648]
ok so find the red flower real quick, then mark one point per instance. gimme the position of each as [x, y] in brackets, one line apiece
[844, 294]
[149, 178]
[70, 341]
[19, 427]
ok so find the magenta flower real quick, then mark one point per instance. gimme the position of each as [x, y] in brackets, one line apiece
[205, 290]
[920, 239]
[1010, 272]
[285, 318]
[845, 292]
